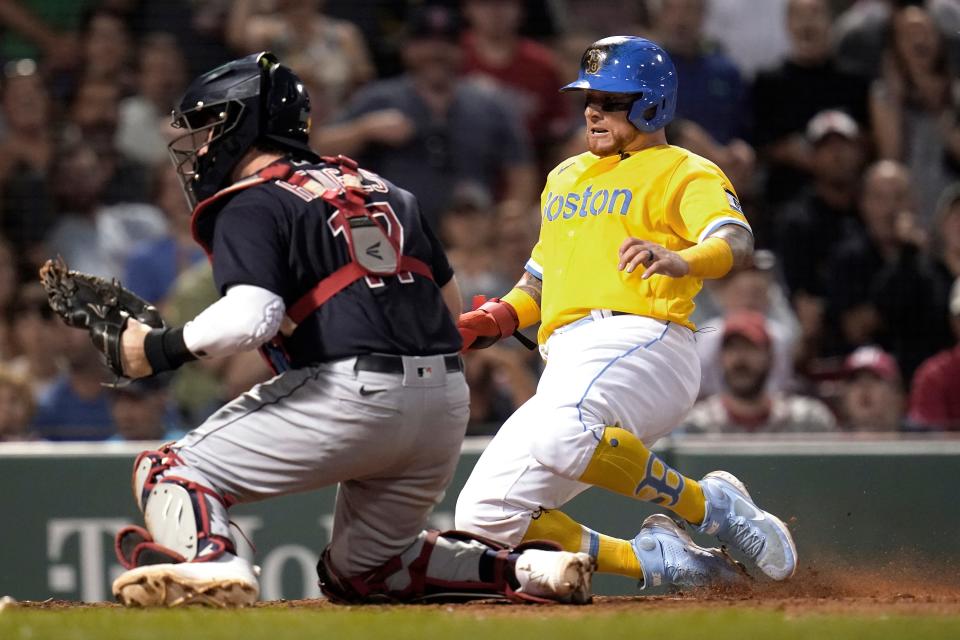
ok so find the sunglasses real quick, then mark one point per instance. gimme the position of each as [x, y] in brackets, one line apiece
[610, 103]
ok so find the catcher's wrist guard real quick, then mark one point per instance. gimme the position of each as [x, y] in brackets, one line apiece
[166, 350]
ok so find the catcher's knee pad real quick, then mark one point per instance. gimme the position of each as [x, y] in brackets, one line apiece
[185, 520]
[438, 566]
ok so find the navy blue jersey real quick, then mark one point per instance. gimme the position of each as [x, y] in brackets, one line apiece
[273, 237]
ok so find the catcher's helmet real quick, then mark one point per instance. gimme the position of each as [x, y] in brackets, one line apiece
[628, 64]
[226, 111]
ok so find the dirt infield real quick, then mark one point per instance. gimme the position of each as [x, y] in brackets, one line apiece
[891, 591]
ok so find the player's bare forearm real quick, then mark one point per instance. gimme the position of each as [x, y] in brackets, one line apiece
[451, 297]
[531, 285]
[740, 241]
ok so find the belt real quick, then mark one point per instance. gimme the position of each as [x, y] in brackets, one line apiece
[596, 314]
[382, 363]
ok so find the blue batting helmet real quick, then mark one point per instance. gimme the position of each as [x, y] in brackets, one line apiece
[628, 64]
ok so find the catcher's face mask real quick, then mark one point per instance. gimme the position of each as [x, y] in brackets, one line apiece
[203, 145]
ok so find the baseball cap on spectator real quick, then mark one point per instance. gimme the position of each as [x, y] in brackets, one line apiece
[433, 22]
[872, 360]
[831, 122]
[751, 325]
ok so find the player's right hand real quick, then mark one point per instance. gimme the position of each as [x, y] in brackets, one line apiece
[484, 326]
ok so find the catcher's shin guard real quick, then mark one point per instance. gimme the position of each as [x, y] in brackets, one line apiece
[185, 520]
[437, 567]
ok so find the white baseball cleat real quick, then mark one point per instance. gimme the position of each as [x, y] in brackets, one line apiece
[556, 575]
[226, 583]
[735, 519]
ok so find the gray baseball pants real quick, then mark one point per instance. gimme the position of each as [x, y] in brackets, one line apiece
[391, 440]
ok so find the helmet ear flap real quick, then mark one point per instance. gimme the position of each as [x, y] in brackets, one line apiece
[643, 115]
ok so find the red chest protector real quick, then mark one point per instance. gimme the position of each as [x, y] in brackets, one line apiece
[374, 247]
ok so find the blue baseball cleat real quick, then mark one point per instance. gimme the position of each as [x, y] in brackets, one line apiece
[669, 557]
[734, 519]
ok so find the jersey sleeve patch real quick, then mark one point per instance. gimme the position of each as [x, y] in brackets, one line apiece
[734, 202]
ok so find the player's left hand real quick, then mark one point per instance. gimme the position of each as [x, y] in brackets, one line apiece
[656, 258]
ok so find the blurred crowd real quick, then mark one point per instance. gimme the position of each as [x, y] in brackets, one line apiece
[838, 121]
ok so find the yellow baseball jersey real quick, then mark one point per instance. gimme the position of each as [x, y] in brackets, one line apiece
[590, 205]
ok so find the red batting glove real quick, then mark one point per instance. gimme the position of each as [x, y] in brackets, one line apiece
[482, 327]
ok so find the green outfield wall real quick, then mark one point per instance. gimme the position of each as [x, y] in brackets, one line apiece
[858, 501]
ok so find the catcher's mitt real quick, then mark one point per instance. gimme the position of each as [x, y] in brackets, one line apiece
[100, 306]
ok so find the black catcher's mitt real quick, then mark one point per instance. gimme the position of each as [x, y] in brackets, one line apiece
[100, 306]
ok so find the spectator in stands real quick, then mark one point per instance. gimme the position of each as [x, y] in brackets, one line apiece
[914, 106]
[515, 234]
[143, 128]
[912, 291]
[712, 110]
[862, 30]
[711, 91]
[154, 264]
[141, 411]
[745, 405]
[752, 33]
[820, 218]
[947, 232]
[935, 392]
[329, 54]
[523, 68]
[26, 153]
[16, 407]
[753, 289]
[500, 382]
[93, 121]
[467, 236]
[39, 337]
[44, 31]
[825, 213]
[429, 130]
[107, 48]
[599, 18]
[787, 96]
[77, 405]
[872, 397]
[90, 235]
[887, 213]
